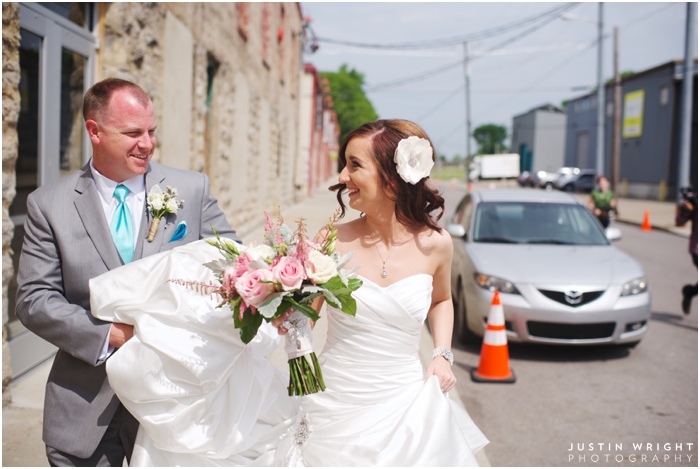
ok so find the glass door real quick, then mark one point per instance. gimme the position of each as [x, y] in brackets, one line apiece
[56, 57]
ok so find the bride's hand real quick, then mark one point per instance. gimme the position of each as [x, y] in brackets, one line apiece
[281, 330]
[441, 368]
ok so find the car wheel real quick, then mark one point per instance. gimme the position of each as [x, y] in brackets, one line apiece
[569, 188]
[461, 329]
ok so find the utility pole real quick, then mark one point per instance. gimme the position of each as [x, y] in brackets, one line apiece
[617, 115]
[601, 96]
[687, 99]
[466, 95]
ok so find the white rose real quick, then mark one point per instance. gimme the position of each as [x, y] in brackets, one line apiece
[155, 201]
[414, 159]
[172, 206]
[320, 268]
[262, 251]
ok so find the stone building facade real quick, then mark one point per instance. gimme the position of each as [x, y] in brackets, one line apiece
[224, 79]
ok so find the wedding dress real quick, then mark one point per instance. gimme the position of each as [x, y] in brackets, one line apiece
[377, 409]
[203, 398]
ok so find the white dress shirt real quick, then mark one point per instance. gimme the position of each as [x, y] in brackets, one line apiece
[134, 200]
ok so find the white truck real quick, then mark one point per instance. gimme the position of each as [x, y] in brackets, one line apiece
[501, 166]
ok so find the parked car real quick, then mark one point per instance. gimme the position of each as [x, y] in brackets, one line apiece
[559, 277]
[546, 180]
[582, 180]
[523, 178]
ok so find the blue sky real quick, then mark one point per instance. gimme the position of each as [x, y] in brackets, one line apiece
[548, 65]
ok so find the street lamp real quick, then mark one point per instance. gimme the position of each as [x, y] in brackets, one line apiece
[601, 88]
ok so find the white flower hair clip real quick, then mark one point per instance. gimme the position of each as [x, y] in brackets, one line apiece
[414, 159]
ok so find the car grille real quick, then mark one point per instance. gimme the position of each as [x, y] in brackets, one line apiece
[560, 297]
[553, 330]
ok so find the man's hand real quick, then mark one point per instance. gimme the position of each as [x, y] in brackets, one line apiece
[688, 206]
[119, 333]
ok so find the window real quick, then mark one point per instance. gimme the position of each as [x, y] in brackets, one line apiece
[210, 119]
[55, 58]
[242, 13]
[81, 14]
[281, 43]
[663, 95]
[266, 33]
[536, 223]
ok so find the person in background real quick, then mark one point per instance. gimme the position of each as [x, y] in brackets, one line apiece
[602, 201]
[688, 210]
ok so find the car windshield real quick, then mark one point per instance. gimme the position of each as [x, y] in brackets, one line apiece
[536, 223]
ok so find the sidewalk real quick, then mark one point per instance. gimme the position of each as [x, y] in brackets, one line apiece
[22, 418]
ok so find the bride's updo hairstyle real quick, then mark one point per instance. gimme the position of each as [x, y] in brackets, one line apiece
[414, 202]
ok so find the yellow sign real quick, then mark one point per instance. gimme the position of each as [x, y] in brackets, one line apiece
[633, 114]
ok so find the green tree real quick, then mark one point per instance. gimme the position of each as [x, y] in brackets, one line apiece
[349, 100]
[490, 138]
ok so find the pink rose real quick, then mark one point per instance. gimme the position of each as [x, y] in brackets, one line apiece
[289, 272]
[242, 264]
[251, 289]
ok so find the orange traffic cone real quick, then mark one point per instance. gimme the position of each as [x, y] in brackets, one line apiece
[493, 363]
[646, 224]
[469, 186]
[453, 184]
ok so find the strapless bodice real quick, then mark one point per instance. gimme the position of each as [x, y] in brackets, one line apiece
[388, 322]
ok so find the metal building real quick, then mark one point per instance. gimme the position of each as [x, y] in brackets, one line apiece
[538, 136]
[650, 133]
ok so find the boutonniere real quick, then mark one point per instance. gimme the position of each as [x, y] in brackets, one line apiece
[159, 203]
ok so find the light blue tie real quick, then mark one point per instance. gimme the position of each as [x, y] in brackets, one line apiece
[122, 226]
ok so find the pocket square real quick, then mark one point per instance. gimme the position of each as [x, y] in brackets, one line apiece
[180, 232]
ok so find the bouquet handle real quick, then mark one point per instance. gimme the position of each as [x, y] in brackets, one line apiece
[305, 375]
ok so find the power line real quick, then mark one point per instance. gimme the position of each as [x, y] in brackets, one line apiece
[440, 104]
[429, 73]
[445, 42]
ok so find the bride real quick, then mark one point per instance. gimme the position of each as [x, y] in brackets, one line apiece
[203, 398]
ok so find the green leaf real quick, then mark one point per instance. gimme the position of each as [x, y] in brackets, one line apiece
[354, 283]
[248, 318]
[268, 308]
[306, 310]
[348, 305]
[249, 332]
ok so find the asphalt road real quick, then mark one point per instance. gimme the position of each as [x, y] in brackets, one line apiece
[593, 406]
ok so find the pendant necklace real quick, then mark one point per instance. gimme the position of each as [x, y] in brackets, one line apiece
[385, 274]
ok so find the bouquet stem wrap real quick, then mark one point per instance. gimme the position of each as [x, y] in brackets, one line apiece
[305, 376]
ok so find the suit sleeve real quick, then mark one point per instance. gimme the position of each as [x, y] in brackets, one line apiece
[42, 305]
[213, 216]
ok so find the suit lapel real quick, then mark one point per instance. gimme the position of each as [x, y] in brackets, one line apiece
[153, 177]
[91, 214]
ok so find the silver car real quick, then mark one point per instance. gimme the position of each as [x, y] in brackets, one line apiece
[560, 279]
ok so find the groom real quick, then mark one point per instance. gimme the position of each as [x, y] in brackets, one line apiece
[79, 227]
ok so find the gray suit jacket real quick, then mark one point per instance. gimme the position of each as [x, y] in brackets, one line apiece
[67, 242]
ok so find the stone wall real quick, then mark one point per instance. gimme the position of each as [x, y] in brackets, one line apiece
[224, 80]
[10, 114]
[245, 137]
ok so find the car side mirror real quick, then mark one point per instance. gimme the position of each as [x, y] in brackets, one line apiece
[457, 231]
[613, 234]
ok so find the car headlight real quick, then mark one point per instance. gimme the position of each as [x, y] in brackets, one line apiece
[634, 287]
[495, 284]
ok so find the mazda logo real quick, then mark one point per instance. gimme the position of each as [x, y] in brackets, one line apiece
[573, 297]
